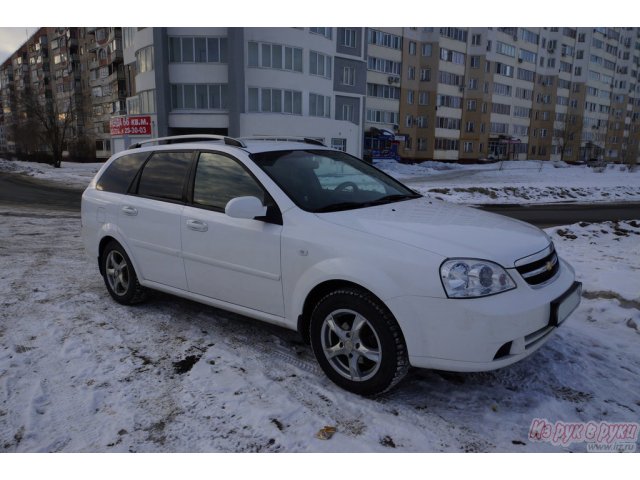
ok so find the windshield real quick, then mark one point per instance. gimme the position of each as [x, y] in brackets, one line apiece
[328, 181]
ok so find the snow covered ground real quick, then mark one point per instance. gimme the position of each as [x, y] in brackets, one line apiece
[517, 182]
[70, 174]
[80, 373]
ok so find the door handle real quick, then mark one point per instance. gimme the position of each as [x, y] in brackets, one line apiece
[197, 225]
[127, 210]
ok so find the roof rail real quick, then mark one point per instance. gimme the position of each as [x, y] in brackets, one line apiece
[277, 138]
[181, 138]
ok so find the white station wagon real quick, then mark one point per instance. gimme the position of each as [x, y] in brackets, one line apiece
[375, 276]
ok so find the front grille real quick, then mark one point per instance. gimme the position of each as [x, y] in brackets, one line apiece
[538, 272]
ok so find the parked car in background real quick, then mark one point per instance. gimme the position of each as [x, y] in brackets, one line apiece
[375, 276]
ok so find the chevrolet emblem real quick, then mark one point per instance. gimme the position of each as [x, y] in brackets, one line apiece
[549, 266]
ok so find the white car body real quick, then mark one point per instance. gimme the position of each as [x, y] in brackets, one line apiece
[268, 271]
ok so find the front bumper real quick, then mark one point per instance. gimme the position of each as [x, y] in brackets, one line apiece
[485, 333]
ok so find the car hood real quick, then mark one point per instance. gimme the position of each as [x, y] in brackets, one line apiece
[446, 229]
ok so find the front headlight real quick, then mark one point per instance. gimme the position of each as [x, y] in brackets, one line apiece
[471, 278]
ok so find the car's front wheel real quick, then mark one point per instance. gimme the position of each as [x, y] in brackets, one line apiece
[357, 342]
[120, 276]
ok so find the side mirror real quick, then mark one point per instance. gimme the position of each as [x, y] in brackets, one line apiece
[245, 207]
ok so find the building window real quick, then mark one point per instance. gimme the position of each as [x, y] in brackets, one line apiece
[197, 49]
[339, 144]
[472, 105]
[382, 65]
[319, 64]
[324, 31]
[319, 105]
[268, 55]
[425, 74]
[127, 36]
[408, 121]
[475, 61]
[447, 144]
[147, 101]
[348, 76]
[196, 97]
[476, 39]
[426, 49]
[407, 143]
[468, 147]
[382, 116]
[454, 33]
[501, 89]
[422, 144]
[504, 69]
[470, 127]
[347, 112]
[452, 56]
[410, 97]
[528, 75]
[506, 49]
[411, 73]
[144, 59]
[383, 91]
[275, 101]
[449, 101]
[383, 39]
[423, 98]
[412, 48]
[448, 123]
[527, 56]
[349, 38]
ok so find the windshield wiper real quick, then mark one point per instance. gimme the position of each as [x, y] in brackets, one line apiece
[335, 207]
[394, 198]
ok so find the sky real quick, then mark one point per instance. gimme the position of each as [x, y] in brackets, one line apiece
[11, 38]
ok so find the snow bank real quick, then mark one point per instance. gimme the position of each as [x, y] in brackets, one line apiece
[518, 182]
[75, 175]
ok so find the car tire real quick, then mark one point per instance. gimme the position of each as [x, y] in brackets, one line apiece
[357, 342]
[120, 276]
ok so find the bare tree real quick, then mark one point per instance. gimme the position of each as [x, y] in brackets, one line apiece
[43, 125]
[564, 136]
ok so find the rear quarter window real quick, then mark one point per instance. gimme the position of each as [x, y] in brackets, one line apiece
[164, 175]
[118, 176]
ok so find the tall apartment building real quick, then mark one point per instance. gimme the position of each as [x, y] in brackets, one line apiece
[384, 73]
[106, 73]
[541, 93]
[307, 82]
[81, 69]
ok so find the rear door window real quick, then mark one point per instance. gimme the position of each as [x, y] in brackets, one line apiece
[163, 176]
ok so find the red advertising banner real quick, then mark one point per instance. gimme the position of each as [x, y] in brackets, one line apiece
[130, 125]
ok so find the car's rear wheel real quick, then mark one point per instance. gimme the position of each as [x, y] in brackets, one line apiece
[120, 276]
[357, 342]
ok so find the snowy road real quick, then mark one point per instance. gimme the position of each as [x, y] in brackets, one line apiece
[80, 373]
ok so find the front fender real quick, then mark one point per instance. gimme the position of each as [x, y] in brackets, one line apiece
[352, 270]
